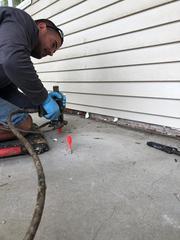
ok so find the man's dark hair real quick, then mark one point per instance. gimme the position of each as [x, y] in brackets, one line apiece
[51, 25]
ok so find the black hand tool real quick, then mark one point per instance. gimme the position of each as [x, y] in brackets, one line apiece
[164, 148]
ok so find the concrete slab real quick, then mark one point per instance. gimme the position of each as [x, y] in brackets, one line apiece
[113, 187]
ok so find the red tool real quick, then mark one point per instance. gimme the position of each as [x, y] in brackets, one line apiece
[10, 151]
[14, 147]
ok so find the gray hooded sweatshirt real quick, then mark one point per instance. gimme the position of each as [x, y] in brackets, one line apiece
[18, 37]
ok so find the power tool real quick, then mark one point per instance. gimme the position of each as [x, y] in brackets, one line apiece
[36, 139]
[164, 148]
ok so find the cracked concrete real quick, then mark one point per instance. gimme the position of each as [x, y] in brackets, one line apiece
[113, 187]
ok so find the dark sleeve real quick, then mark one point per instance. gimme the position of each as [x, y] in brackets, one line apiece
[17, 33]
[20, 70]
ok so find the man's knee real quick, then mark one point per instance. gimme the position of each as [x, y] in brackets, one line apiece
[20, 120]
[26, 125]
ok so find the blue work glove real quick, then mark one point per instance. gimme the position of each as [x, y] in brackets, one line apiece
[59, 95]
[51, 108]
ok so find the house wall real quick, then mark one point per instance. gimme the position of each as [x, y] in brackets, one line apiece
[119, 58]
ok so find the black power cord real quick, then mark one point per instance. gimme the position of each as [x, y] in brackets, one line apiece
[40, 200]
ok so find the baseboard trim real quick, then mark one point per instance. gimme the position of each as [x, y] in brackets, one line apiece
[131, 124]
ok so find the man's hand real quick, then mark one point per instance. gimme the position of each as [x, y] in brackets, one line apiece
[51, 107]
[59, 95]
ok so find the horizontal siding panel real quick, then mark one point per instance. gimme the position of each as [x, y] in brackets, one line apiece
[160, 120]
[159, 72]
[161, 35]
[142, 20]
[151, 90]
[80, 10]
[120, 60]
[108, 14]
[38, 6]
[141, 56]
[56, 8]
[169, 108]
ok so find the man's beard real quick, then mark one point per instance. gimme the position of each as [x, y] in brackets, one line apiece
[36, 52]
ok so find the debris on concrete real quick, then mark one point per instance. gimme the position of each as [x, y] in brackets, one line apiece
[87, 115]
[177, 195]
[115, 119]
[4, 184]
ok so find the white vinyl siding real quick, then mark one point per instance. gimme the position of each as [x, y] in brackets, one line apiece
[119, 58]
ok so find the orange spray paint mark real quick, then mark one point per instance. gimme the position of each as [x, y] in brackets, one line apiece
[69, 142]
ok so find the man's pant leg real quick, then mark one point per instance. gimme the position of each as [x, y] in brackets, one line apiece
[6, 108]
[11, 99]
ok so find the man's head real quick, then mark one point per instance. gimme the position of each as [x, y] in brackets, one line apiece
[50, 39]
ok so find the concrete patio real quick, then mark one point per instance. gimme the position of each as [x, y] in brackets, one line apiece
[112, 187]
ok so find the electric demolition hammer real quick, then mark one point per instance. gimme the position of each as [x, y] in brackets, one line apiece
[59, 123]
